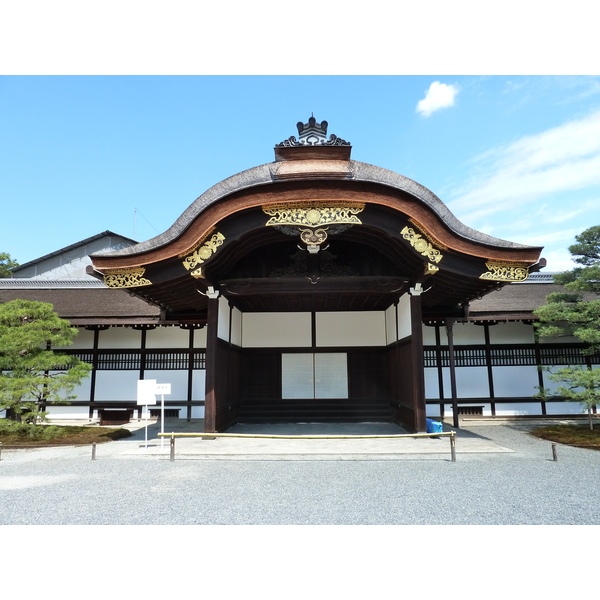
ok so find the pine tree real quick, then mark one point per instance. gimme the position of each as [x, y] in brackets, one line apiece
[568, 314]
[31, 372]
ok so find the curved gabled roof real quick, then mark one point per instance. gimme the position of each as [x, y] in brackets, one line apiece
[311, 170]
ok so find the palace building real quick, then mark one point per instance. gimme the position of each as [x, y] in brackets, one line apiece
[312, 288]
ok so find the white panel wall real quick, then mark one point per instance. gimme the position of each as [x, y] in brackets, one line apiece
[82, 391]
[471, 382]
[197, 412]
[564, 408]
[511, 333]
[468, 333]
[428, 336]
[199, 385]
[120, 337]
[520, 408]
[67, 412]
[297, 376]
[223, 326]
[177, 379]
[404, 327]
[167, 337]
[84, 339]
[390, 325]
[116, 385]
[432, 386]
[236, 327]
[200, 338]
[272, 330]
[511, 382]
[351, 329]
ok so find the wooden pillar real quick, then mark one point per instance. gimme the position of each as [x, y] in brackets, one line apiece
[450, 332]
[210, 398]
[418, 370]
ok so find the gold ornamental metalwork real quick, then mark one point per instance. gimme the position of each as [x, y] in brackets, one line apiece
[314, 214]
[202, 254]
[313, 237]
[422, 245]
[423, 231]
[505, 272]
[126, 278]
[431, 269]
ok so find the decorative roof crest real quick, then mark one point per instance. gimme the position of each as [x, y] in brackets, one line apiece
[313, 134]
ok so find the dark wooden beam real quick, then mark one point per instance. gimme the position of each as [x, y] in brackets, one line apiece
[291, 285]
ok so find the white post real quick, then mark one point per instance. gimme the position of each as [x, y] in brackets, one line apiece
[162, 420]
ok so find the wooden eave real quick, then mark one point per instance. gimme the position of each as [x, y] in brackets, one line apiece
[238, 218]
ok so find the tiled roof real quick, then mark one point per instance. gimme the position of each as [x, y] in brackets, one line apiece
[89, 306]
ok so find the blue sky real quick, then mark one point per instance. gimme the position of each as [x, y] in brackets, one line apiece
[516, 157]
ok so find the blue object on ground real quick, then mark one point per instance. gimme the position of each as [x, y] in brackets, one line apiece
[433, 426]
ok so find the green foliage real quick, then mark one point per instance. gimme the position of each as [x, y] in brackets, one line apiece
[568, 317]
[587, 253]
[567, 314]
[31, 373]
[6, 265]
[580, 384]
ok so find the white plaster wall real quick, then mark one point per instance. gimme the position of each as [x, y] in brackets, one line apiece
[83, 341]
[67, 412]
[197, 412]
[120, 337]
[548, 383]
[511, 382]
[200, 338]
[351, 329]
[471, 382]
[82, 391]
[116, 385]
[223, 323]
[167, 337]
[390, 325]
[272, 330]
[511, 333]
[428, 336]
[199, 385]
[519, 408]
[565, 408]
[468, 333]
[236, 327]
[432, 386]
[177, 379]
[404, 327]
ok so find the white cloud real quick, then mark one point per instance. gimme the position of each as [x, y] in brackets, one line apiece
[439, 95]
[562, 159]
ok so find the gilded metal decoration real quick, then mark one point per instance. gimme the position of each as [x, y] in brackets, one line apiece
[421, 245]
[203, 253]
[313, 237]
[505, 272]
[126, 278]
[431, 269]
[314, 215]
[313, 134]
[433, 241]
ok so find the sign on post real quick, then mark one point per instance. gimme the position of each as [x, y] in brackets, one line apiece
[146, 391]
[163, 388]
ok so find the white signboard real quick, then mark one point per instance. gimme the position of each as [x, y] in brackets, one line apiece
[146, 391]
[163, 389]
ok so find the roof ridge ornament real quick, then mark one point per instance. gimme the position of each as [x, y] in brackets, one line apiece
[313, 134]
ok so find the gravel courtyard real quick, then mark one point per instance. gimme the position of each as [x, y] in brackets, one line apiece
[520, 486]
